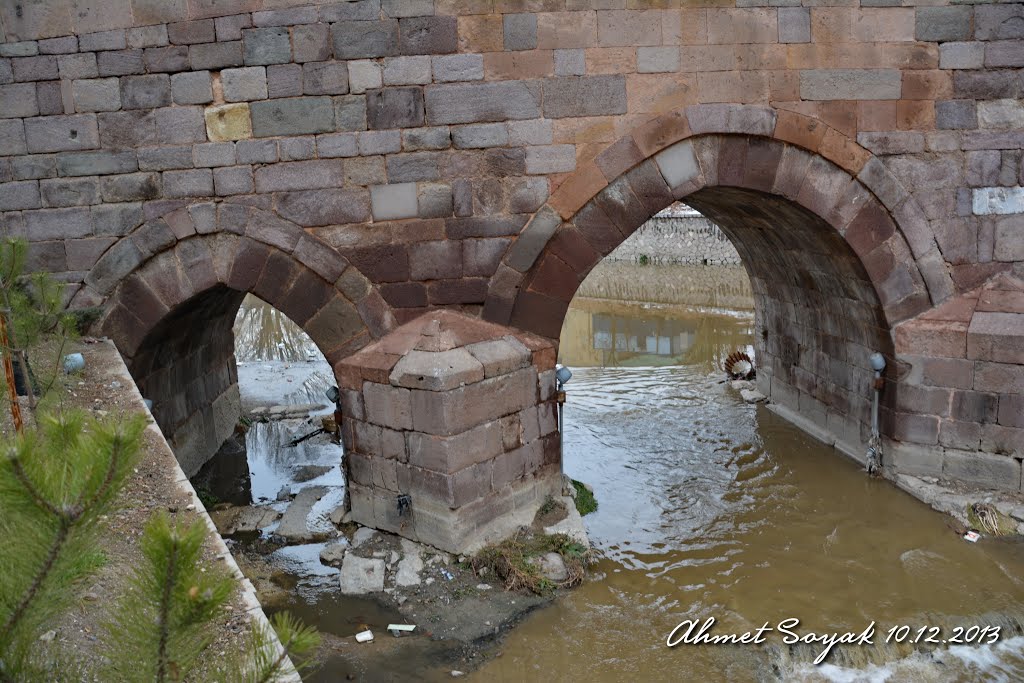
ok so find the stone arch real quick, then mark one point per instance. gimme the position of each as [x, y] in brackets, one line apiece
[837, 251]
[171, 289]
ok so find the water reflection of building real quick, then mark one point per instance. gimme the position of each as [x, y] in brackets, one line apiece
[637, 315]
[610, 334]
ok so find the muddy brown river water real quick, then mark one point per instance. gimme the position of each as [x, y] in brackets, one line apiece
[710, 507]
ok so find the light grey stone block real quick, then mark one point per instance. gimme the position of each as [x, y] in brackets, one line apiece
[520, 31]
[325, 78]
[480, 135]
[191, 87]
[570, 62]
[850, 84]
[245, 84]
[392, 202]
[407, 70]
[464, 67]
[294, 116]
[664, 59]
[97, 94]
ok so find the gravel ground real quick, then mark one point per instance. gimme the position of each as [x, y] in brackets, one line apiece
[100, 388]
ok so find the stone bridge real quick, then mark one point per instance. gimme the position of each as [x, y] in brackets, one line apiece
[361, 163]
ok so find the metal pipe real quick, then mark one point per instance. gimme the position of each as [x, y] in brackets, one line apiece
[874, 454]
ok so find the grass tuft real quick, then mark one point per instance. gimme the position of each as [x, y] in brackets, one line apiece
[585, 501]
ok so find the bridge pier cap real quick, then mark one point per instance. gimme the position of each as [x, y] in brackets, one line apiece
[459, 415]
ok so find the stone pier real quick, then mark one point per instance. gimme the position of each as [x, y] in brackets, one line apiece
[458, 415]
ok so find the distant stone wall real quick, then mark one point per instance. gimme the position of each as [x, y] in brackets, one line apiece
[675, 239]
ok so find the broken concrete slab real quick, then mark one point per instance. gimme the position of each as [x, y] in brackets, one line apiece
[360, 575]
[294, 524]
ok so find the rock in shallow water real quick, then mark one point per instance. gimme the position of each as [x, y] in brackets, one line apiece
[553, 567]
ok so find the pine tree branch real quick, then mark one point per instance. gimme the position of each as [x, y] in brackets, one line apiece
[41, 575]
[164, 615]
[108, 480]
[275, 667]
[37, 498]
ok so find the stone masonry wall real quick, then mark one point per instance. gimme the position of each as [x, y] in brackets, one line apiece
[420, 138]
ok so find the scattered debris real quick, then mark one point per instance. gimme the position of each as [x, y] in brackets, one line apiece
[399, 630]
[972, 536]
[364, 637]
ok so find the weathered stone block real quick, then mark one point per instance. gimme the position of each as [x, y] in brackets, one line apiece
[943, 23]
[233, 180]
[584, 96]
[295, 116]
[189, 32]
[961, 55]
[299, 175]
[365, 39]
[229, 122]
[100, 94]
[77, 66]
[407, 70]
[794, 25]
[131, 187]
[325, 78]
[120, 63]
[212, 154]
[194, 183]
[18, 100]
[40, 68]
[311, 43]
[92, 163]
[376, 142]
[56, 224]
[311, 208]
[62, 133]
[12, 136]
[394, 108]
[520, 31]
[144, 36]
[434, 200]
[850, 84]
[427, 35]
[483, 135]
[550, 159]
[284, 80]
[451, 68]
[262, 46]
[245, 84]
[215, 56]
[662, 59]
[388, 406]
[191, 87]
[178, 125]
[482, 102]
[19, 195]
[62, 192]
[350, 112]
[956, 114]
[166, 59]
[146, 92]
[989, 471]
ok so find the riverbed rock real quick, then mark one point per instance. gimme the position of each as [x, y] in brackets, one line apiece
[741, 384]
[233, 520]
[294, 524]
[752, 396]
[552, 566]
[361, 575]
[409, 568]
[363, 535]
[334, 553]
[306, 473]
[340, 515]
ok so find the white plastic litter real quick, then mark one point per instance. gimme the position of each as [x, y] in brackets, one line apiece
[364, 637]
[972, 536]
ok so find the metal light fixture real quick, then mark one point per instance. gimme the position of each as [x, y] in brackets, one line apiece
[562, 376]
